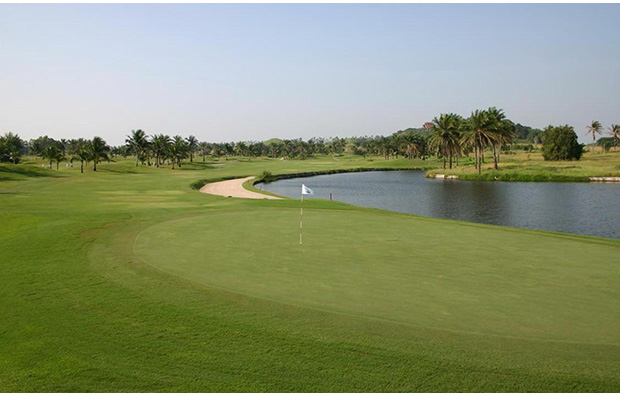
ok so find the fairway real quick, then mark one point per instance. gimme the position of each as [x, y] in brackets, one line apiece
[401, 268]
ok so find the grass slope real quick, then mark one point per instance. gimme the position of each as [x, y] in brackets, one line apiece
[86, 308]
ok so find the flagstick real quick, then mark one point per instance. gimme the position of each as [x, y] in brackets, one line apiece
[301, 218]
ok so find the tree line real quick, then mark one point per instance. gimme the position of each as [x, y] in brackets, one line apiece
[159, 148]
[81, 150]
[448, 137]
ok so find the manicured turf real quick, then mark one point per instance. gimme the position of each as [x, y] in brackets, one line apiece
[399, 268]
[89, 304]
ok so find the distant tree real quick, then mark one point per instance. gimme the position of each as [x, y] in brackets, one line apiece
[275, 149]
[501, 132]
[336, 145]
[445, 136]
[560, 143]
[204, 149]
[478, 134]
[4, 155]
[614, 131]
[60, 157]
[83, 155]
[526, 133]
[35, 147]
[12, 147]
[62, 145]
[240, 148]
[137, 142]
[161, 145]
[594, 128]
[178, 150]
[192, 147]
[217, 150]
[38, 145]
[257, 149]
[228, 149]
[120, 150]
[73, 146]
[98, 150]
[51, 153]
[607, 143]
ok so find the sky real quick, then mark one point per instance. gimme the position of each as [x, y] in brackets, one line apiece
[226, 72]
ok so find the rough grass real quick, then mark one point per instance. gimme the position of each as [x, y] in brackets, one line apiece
[82, 312]
[523, 166]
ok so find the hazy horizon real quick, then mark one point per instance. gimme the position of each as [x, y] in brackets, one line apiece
[229, 72]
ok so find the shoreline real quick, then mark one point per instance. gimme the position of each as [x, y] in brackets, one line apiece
[490, 175]
[198, 184]
[249, 182]
[520, 177]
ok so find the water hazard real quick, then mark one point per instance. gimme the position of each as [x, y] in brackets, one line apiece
[580, 208]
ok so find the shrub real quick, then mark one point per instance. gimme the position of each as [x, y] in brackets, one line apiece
[560, 143]
[266, 176]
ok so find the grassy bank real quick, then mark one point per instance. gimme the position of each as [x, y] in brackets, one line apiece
[523, 166]
[127, 279]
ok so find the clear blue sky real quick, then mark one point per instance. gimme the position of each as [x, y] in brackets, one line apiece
[252, 72]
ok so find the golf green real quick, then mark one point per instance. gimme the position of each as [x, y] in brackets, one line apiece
[418, 271]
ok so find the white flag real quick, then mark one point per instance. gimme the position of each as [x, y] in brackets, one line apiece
[305, 190]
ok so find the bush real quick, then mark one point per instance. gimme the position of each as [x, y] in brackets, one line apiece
[560, 143]
[11, 148]
[267, 177]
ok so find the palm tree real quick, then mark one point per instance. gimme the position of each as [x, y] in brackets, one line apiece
[412, 146]
[501, 132]
[192, 146]
[177, 150]
[593, 129]
[445, 136]
[98, 150]
[478, 135]
[73, 146]
[160, 145]
[204, 150]
[137, 142]
[51, 153]
[36, 147]
[64, 144]
[229, 149]
[60, 156]
[240, 148]
[614, 131]
[82, 153]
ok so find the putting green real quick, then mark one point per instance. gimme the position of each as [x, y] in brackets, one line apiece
[417, 271]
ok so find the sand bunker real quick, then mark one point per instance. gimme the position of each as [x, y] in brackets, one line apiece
[233, 188]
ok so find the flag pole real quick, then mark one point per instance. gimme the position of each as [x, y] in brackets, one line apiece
[301, 217]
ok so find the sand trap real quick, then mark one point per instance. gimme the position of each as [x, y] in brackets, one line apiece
[233, 188]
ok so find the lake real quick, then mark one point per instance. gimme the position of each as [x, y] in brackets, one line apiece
[580, 208]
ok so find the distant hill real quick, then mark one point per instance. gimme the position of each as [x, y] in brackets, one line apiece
[527, 133]
[273, 141]
[418, 131]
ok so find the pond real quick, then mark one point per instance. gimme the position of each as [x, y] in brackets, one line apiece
[580, 208]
